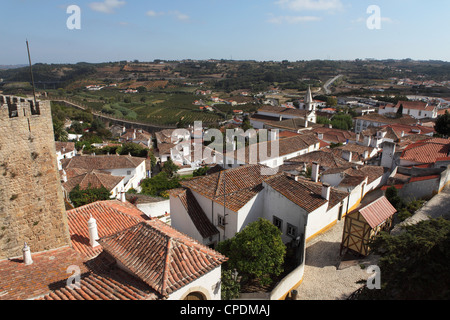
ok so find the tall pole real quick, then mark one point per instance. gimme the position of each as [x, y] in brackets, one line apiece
[31, 73]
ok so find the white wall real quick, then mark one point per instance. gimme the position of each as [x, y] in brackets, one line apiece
[209, 283]
[131, 180]
[275, 204]
[155, 209]
[181, 221]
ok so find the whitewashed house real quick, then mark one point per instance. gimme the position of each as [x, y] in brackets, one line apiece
[308, 207]
[132, 168]
[64, 150]
[415, 109]
[272, 153]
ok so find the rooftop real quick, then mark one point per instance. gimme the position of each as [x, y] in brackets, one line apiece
[427, 151]
[102, 162]
[304, 193]
[241, 185]
[92, 179]
[377, 211]
[111, 216]
[160, 256]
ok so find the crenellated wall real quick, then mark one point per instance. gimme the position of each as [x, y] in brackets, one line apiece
[31, 202]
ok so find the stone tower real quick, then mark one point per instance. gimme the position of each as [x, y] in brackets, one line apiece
[32, 207]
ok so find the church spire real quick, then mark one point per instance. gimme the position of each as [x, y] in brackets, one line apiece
[309, 100]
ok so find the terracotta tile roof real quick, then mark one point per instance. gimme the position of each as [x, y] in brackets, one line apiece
[377, 212]
[105, 281]
[285, 146]
[304, 193]
[102, 162]
[409, 129]
[371, 172]
[141, 135]
[64, 147]
[112, 216]
[160, 256]
[283, 111]
[427, 151]
[383, 119]
[93, 179]
[21, 282]
[335, 135]
[195, 212]
[416, 105]
[324, 157]
[242, 184]
[356, 148]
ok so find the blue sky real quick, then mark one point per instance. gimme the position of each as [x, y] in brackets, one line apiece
[113, 30]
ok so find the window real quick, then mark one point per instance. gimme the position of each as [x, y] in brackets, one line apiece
[291, 231]
[128, 173]
[278, 223]
[221, 221]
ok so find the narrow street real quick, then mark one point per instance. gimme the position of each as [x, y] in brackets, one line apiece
[327, 276]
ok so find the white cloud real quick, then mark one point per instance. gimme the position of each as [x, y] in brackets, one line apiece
[383, 19]
[177, 14]
[180, 16]
[152, 13]
[317, 5]
[293, 19]
[107, 6]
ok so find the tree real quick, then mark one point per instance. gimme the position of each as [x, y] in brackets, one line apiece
[201, 171]
[80, 197]
[394, 198]
[400, 111]
[160, 183]
[59, 131]
[230, 285]
[442, 125]
[170, 168]
[414, 263]
[134, 149]
[257, 252]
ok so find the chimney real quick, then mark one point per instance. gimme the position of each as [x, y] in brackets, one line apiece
[315, 172]
[93, 232]
[27, 255]
[320, 136]
[123, 197]
[347, 155]
[366, 154]
[326, 190]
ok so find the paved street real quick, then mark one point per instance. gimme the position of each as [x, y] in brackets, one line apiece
[325, 277]
[328, 277]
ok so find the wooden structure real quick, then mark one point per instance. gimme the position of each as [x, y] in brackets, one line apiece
[364, 223]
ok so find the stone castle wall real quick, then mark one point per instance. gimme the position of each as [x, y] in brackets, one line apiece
[31, 202]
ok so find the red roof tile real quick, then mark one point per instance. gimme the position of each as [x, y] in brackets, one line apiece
[427, 151]
[160, 256]
[242, 184]
[111, 216]
[304, 193]
[21, 282]
[377, 212]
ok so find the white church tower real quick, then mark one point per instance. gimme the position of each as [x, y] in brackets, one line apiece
[309, 102]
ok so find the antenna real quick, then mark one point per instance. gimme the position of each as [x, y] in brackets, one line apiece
[31, 73]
